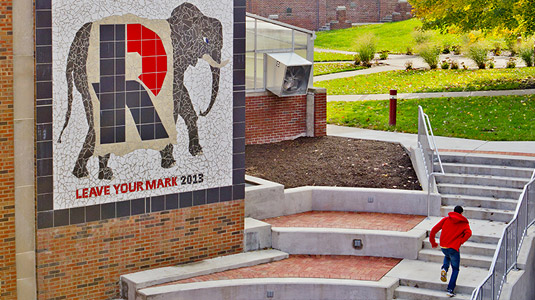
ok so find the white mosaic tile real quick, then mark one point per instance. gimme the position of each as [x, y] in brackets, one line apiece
[137, 159]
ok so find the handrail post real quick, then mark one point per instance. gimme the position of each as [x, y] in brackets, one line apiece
[429, 178]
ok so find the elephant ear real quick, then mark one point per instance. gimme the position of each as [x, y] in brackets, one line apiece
[185, 31]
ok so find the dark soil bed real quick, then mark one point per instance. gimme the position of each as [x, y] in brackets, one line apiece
[332, 161]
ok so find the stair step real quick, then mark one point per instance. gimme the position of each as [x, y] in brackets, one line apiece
[480, 239]
[468, 248]
[481, 213]
[424, 294]
[419, 284]
[466, 259]
[504, 171]
[479, 190]
[478, 201]
[488, 160]
[487, 180]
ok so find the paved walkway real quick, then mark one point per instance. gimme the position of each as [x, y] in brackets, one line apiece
[409, 140]
[429, 95]
[353, 220]
[310, 266]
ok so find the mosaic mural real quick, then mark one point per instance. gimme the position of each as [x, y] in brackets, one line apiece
[143, 99]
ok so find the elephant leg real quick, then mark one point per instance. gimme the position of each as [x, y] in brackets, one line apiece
[167, 157]
[80, 167]
[186, 111]
[104, 172]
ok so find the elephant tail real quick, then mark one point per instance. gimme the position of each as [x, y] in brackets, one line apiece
[73, 53]
[68, 74]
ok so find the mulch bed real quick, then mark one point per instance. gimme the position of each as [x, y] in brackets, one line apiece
[332, 161]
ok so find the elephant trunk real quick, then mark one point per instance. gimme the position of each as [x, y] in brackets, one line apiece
[215, 89]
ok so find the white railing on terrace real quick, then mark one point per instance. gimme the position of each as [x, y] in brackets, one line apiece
[506, 255]
[429, 151]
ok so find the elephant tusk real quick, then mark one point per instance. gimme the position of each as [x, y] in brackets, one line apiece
[213, 63]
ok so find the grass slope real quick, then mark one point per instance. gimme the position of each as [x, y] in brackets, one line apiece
[395, 37]
[505, 118]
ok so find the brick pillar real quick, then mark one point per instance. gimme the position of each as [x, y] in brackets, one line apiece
[322, 12]
[341, 18]
[8, 273]
[320, 111]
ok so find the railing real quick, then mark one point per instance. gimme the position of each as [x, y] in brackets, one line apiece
[429, 151]
[506, 255]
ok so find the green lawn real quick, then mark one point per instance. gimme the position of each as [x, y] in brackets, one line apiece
[328, 68]
[395, 37]
[419, 81]
[327, 56]
[505, 118]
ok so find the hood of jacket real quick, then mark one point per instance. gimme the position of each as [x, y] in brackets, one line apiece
[457, 217]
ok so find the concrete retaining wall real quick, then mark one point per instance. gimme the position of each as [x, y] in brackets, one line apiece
[268, 199]
[520, 283]
[281, 288]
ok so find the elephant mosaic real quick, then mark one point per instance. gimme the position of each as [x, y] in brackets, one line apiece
[98, 66]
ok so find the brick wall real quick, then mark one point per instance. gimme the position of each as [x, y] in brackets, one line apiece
[85, 261]
[8, 275]
[270, 119]
[320, 113]
[314, 14]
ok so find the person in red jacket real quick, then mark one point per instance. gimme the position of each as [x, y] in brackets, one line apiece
[455, 231]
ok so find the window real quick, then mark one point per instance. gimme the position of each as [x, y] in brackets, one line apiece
[267, 36]
[289, 11]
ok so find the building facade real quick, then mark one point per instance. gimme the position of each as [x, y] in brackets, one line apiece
[122, 133]
[330, 14]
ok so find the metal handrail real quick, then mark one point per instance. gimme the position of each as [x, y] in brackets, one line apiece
[428, 150]
[522, 214]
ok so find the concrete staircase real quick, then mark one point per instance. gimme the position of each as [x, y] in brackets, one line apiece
[476, 257]
[488, 188]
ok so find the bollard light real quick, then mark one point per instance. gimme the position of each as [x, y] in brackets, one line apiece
[393, 107]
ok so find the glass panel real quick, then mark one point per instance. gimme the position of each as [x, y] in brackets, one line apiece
[249, 34]
[302, 53]
[300, 39]
[271, 36]
[260, 71]
[249, 71]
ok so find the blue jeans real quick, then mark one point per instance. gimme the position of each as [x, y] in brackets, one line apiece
[453, 257]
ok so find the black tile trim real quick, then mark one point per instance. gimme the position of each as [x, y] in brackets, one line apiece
[47, 217]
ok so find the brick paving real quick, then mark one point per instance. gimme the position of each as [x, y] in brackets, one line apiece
[310, 266]
[352, 220]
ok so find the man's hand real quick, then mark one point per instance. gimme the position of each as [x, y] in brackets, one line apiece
[434, 244]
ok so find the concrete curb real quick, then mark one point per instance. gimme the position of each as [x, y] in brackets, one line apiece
[339, 241]
[130, 283]
[280, 288]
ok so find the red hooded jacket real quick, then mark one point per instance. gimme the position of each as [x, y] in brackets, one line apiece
[455, 231]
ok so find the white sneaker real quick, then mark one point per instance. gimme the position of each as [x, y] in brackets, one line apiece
[443, 276]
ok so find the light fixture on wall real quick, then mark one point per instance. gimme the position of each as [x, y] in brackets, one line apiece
[357, 244]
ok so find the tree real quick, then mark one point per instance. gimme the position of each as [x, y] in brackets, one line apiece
[514, 16]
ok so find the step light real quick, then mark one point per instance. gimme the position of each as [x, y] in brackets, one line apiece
[357, 244]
